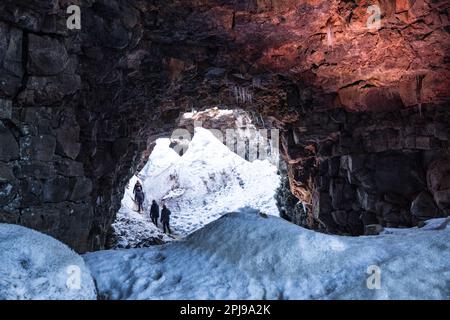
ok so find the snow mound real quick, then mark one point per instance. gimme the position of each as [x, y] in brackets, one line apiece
[34, 266]
[247, 255]
[161, 159]
[198, 187]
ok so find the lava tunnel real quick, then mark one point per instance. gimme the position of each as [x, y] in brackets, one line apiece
[362, 110]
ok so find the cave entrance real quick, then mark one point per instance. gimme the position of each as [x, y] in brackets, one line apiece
[217, 161]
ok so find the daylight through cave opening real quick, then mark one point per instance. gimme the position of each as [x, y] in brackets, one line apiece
[216, 161]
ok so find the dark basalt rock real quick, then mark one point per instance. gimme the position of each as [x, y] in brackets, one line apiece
[82, 188]
[46, 56]
[5, 109]
[438, 177]
[40, 148]
[423, 207]
[56, 189]
[11, 70]
[8, 189]
[69, 168]
[398, 173]
[10, 147]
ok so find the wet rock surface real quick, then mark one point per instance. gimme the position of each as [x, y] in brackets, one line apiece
[363, 114]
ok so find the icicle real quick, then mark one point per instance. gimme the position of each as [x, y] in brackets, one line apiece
[329, 34]
[419, 80]
[242, 95]
[305, 209]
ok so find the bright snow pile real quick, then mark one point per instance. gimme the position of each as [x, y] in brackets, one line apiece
[36, 266]
[250, 256]
[198, 187]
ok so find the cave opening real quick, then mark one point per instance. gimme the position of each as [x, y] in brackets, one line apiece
[217, 161]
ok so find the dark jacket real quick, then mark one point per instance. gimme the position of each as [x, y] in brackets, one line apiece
[154, 210]
[139, 196]
[165, 215]
[137, 187]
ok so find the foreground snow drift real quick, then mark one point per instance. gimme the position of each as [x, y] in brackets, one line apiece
[251, 256]
[36, 266]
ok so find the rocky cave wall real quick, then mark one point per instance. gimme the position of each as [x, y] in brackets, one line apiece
[363, 113]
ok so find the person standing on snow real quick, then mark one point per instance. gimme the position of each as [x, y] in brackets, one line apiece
[154, 213]
[137, 186]
[165, 218]
[139, 195]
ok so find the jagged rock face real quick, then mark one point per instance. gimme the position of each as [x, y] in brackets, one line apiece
[363, 112]
[356, 169]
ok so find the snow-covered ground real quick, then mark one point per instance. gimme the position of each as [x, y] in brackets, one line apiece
[135, 230]
[246, 255]
[243, 255]
[198, 187]
[36, 266]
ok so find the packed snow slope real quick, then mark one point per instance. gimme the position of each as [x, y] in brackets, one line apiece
[246, 255]
[36, 266]
[198, 187]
